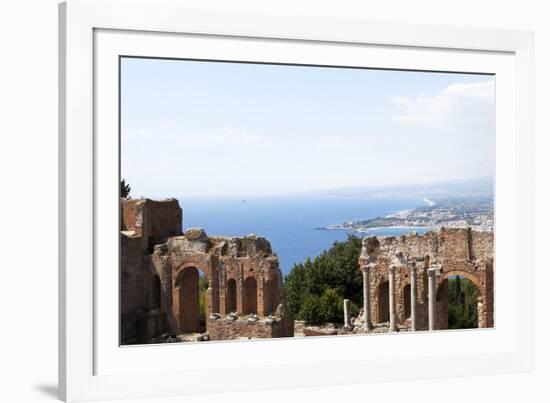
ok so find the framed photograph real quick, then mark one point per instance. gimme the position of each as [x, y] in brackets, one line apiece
[254, 197]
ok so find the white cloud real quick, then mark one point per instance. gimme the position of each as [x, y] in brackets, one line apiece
[459, 105]
[330, 142]
[237, 137]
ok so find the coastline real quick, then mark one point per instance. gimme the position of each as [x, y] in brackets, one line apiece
[397, 214]
[366, 231]
[459, 212]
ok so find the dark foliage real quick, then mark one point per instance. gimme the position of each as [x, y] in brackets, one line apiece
[315, 290]
[124, 189]
[463, 296]
[203, 287]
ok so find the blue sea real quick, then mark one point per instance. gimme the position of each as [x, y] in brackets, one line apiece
[291, 223]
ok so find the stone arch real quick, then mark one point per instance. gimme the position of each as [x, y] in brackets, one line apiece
[250, 296]
[231, 296]
[186, 299]
[457, 251]
[202, 265]
[479, 283]
[442, 296]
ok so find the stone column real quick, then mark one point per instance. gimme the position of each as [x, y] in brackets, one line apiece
[431, 299]
[347, 324]
[366, 298]
[481, 322]
[413, 297]
[391, 280]
[240, 288]
[260, 293]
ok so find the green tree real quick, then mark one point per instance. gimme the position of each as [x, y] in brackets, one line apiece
[331, 305]
[462, 306]
[456, 290]
[203, 286]
[326, 281]
[124, 189]
[310, 310]
[296, 288]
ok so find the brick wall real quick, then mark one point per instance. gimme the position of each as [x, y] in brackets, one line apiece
[154, 251]
[458, 251]
[223, 329]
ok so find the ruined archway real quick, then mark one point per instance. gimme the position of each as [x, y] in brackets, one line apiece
[424, 261]
[188, 301]
[384, 302]
[459, 296]
[463, 297]
[250, 296]
[191, 302]
[231, 296]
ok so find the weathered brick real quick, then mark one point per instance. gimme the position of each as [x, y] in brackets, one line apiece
[160, 269]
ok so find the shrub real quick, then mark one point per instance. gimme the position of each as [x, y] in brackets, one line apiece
[327, 280]
[310, 310]
[463, 296]
[331, 305]
[328, 308]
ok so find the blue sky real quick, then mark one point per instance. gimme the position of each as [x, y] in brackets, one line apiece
[229, 129]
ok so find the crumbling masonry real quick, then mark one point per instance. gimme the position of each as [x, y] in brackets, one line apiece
[405, 279]
[161, 269]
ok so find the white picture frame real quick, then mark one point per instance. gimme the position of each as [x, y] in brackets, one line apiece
[94, 33]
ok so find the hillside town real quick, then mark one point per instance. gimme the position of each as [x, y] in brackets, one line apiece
[461, 212]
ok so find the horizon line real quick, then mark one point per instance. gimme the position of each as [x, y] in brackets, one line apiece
[323, 190]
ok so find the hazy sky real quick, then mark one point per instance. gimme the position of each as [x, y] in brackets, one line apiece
[212, 129]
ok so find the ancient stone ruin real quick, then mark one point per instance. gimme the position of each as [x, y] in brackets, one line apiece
[405, 279]
[161, 271]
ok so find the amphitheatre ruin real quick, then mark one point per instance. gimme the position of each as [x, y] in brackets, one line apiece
[405, 280]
